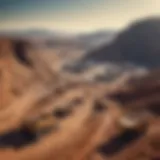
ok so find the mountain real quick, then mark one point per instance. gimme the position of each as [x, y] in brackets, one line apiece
[96, 39]
[139, 44]
[36, 34]
[135, 49]
[52, 38]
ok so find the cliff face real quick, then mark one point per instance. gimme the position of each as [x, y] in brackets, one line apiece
[13, 72]
[22, 66]
[6, 70]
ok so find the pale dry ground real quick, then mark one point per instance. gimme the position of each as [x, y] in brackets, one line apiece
[29, 93]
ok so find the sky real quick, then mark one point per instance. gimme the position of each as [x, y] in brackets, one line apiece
[74, 15]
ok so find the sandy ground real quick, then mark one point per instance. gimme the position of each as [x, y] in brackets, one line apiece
[93, 118]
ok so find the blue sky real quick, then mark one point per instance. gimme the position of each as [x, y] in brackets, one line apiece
[74, 15]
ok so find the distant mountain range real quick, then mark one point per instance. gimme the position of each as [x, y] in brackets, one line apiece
[97, 39]
[53, 38]
[34, 33]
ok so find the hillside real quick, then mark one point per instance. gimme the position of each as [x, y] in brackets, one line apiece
[138, 45]
[53, 117]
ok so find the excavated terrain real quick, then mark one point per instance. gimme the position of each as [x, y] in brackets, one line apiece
[45, 115]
